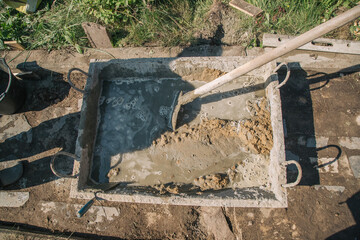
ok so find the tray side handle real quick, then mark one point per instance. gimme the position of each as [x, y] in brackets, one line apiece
[299, 176]
[52, 164]
[71, 83]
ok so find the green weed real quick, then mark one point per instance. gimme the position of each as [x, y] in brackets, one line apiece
[294, 17]
[57, 24]
[111, 12]
[166, 23]
[51, 27]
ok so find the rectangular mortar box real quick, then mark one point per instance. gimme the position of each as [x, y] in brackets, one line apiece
[127, 151]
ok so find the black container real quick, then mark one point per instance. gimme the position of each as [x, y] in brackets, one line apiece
[12, 94]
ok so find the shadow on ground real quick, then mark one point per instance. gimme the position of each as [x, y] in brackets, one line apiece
[54, 134]
[201, 47]
[352, 232]
[298, 115]
[43, 87]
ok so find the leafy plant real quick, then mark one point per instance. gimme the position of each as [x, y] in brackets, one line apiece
[111, 11]
[57, 23]
[54, 26]
[12, 25]
[355, 29]
[296, 16]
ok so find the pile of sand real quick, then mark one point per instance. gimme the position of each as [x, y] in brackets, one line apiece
[213, 181]
[255, 133]
[173, 189]
[206, 75]
[206, 132]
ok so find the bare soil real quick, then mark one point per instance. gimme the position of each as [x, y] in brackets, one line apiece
[222, 27]
[324, 106]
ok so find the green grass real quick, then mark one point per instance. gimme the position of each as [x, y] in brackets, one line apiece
[294, 17]
[297, 16]
[53, 26]
[57, 24]
[169, 23]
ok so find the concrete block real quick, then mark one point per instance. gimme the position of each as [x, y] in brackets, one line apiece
[12, 125]
[13, 199]
[340, 189]
[350, 142]
[355, 165]
[215, 222]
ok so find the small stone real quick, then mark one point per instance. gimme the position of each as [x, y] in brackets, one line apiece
[173, 190]
[201, 180]
[216, 177]
[295, 234]
[250, 215]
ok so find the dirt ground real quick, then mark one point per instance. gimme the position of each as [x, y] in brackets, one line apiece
[322, 132]
[322, 122]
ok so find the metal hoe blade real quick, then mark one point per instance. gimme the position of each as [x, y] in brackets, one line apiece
[175, 108]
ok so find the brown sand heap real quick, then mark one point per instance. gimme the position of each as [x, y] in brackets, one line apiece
[113, 172]
[212, 181]
[255, 133]
[205, 75]
[206, 132]
[173, 189]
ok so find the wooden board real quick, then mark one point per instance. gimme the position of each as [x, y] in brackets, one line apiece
[97, 35]
[319, 44]
[246, 7]
[14, 45]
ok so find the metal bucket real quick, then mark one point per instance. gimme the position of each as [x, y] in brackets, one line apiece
[12, 94]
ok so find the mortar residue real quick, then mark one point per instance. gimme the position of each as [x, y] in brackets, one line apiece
[255, 133]
[212, 181]
[206, 75]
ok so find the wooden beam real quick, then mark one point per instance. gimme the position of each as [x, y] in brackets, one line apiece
[97, 35]
[246, 7]
[320, 44]
[14, 45]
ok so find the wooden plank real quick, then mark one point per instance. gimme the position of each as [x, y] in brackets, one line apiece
[319, 44]
[97, 35]
[14, 45]
[246, 7]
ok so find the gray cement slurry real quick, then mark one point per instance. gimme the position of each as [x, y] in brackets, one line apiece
[134, 112]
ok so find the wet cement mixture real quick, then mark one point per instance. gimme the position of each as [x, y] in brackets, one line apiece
[213, 154]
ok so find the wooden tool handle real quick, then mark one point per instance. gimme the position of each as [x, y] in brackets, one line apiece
[283, 49]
